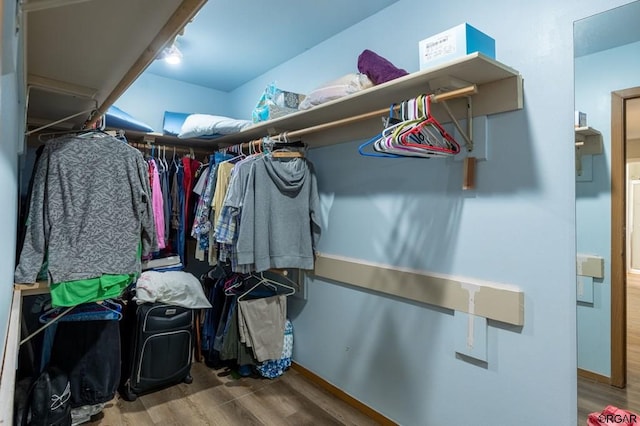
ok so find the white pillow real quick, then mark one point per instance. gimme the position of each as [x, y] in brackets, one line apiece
[172, 287]
[196, 125]
[343, 86]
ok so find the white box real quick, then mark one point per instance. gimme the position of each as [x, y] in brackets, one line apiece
[580, 119]
[454, 43]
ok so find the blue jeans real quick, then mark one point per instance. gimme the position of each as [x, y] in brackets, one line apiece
[89, 353]
[181, 227]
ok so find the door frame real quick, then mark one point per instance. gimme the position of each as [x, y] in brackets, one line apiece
[631, 211]
[618, 236]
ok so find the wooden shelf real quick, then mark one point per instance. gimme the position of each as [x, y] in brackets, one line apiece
[40, 287]
[500, 89]
[588, 142]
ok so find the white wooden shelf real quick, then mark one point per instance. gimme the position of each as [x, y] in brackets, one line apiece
[588, 142]
[500, 89]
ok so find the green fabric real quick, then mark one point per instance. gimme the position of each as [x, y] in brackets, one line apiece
[72, 293]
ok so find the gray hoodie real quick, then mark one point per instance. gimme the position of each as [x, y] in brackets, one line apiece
[280, 224]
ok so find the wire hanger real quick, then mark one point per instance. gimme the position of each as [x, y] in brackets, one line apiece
[263, 280]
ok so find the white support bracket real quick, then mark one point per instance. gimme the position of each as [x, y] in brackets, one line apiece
[468, 135]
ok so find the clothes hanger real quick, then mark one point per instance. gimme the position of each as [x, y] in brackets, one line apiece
[164, 158]
[283, 150]
[174, 162]
[390, 123]
[430, 133]
[48, 324]
[263, 280]
[231, 284]
[287, 154]
[413, 114]
[105, 310]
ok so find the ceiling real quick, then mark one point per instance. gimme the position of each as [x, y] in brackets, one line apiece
[82, 54]
[606, 30]
[231, 42]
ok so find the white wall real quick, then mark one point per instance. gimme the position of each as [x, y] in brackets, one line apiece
[517, 228]
[11, 129]
[595, 79]
[151, 95]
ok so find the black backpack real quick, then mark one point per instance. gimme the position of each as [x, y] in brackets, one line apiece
[46, 402]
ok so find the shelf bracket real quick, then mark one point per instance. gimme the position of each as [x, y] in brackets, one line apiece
[469, 170]
[468, 135]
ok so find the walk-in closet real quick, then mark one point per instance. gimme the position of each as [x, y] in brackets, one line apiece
[241, 212]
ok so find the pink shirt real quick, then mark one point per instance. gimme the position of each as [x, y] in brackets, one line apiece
[157, 203]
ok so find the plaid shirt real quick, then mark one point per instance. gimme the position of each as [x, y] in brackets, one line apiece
[226, 236]
[227, 224]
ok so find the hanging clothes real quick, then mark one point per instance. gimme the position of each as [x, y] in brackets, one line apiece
[261, 325]
[280, 225]
[276, 367]
[90, 211]
[228, 225]
[157, 203]
[181, 214]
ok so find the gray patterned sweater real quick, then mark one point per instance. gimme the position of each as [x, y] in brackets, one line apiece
[90, 209]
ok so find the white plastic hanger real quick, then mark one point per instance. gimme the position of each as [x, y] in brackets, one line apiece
[267, 281]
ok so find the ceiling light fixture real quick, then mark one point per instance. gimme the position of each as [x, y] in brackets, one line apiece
[171, 54]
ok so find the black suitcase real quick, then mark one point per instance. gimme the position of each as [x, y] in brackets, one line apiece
[157, 347]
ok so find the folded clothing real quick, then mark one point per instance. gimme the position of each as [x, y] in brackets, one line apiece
[161, 262]
[611, 416]
[377, 68]
[196, 125]
[335, 89]
[173, 287]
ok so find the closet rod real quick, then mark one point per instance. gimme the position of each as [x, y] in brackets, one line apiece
[170, 148]
[458, 93]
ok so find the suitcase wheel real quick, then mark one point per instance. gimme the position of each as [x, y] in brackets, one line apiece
[188, 380]
[128, 394]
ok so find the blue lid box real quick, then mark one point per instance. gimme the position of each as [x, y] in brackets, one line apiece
[454, 43]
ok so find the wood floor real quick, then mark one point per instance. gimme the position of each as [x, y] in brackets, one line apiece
[593, 397]
[217, 398]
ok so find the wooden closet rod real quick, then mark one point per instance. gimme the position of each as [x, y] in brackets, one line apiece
[458, 93]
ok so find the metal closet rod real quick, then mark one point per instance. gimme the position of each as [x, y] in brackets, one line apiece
[453, 94]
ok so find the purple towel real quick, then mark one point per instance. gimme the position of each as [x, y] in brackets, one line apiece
[378, 69]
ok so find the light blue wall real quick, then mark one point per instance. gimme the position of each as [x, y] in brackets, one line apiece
[11, 129]
[517, 228]
[151, 95]
[596, 76]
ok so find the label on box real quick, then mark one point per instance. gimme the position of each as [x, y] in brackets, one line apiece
[441, 45]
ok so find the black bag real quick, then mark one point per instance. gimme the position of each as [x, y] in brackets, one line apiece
[157, 342]
[47, 402]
